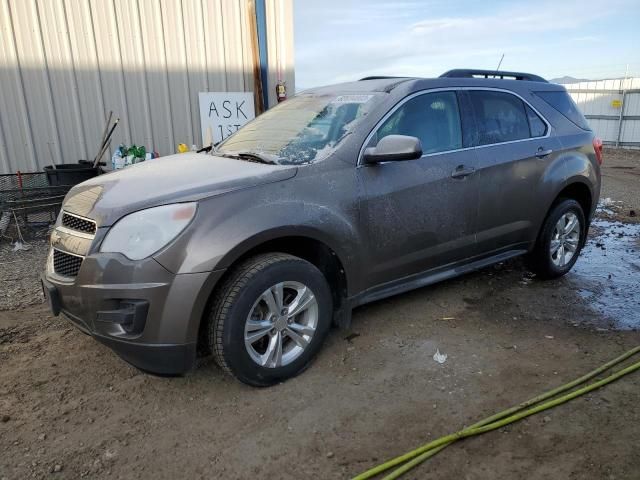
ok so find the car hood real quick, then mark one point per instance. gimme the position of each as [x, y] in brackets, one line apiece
[175, 178]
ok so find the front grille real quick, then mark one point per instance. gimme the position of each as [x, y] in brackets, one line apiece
[78, 224]
[66, 264]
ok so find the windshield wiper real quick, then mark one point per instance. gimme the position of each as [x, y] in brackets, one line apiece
[249, 157]
[256, 157]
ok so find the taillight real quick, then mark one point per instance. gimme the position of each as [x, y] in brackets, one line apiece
[597, 146]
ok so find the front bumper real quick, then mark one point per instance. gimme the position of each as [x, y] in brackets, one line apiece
[146, 314]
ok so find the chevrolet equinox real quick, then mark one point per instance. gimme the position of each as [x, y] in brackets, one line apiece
[337, 197]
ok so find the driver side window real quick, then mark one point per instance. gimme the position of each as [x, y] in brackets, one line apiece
[434, 118]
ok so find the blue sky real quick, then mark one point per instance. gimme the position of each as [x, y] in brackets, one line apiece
[342, 40]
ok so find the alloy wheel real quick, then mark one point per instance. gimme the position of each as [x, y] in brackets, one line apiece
[281, 324]
[565, 239]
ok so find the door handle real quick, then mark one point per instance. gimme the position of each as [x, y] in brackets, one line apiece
[462, 171]
[541, 153]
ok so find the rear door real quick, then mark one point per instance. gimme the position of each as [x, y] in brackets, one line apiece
[420, 214]
[514, 148]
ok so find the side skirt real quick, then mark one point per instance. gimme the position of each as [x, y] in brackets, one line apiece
[396, 287]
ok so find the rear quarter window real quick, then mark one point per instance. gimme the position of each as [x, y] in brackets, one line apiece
[563, 103]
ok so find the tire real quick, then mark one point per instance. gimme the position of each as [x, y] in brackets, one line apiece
[547, 264]
[252, 290]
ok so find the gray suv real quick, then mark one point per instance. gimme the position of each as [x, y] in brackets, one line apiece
[340, 196]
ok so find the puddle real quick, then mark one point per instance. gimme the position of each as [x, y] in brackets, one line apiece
[607, 274]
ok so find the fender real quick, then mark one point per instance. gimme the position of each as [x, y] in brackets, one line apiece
[347, 257]
[578, 168]
[226, 232]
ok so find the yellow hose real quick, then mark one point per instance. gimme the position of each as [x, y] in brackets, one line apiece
[513, 414]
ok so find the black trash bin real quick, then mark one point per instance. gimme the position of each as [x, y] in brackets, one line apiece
[71, 173]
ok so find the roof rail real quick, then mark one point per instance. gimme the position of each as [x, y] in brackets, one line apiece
[470, 73]
[379, 77]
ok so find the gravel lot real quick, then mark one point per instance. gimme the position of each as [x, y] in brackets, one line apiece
[620, 180]
[19, 273]
[70, 408]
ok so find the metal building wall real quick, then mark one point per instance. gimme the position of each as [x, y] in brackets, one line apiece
[280, 47]
[65, 63]
[615, 125]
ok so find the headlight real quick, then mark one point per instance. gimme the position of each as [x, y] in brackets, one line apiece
[143, 233]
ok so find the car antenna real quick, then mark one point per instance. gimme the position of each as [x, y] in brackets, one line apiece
[500, 62]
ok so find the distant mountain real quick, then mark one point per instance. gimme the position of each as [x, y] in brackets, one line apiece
[567, 79]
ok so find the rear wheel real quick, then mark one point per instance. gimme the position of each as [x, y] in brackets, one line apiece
[269, 319]
[560, 241]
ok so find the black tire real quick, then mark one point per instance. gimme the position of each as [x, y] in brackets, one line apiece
[540, 259]
[232, 304]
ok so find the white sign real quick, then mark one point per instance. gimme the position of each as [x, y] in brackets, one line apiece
[223, 113]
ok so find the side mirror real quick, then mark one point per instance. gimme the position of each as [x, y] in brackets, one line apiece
[394, 148]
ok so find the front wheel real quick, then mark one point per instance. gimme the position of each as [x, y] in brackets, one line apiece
[560, 241]
[269, 318]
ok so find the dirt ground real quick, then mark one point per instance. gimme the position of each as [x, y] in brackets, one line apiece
[70, 408]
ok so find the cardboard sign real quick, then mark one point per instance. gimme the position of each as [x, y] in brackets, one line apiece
[223, 113]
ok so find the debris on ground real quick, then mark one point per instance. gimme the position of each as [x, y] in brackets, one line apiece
[440, 357]
[349, 338]
[21, 246]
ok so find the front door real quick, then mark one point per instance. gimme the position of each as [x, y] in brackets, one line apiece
[420, 214]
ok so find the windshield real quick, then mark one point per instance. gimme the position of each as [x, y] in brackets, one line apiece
[301, 130]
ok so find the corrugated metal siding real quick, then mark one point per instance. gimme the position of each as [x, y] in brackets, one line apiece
[65, 63]
[595, 100]
[280, 46]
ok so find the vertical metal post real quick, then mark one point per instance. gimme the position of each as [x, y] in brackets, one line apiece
[621, 118]
[261, 21]
[258, 96]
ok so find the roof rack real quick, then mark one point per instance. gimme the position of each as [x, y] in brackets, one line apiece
[470, 73]
[379, 77]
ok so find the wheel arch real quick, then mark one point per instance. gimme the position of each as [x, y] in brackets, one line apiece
[576, 189]
[300, 244]
[579, 191]
[304, 242]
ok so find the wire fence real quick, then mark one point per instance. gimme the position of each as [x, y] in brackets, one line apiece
[612, 108]
[28, 205]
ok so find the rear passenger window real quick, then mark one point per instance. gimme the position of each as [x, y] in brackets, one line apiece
[434, 118]
[562, 102]
[536, 125]
[501, 117]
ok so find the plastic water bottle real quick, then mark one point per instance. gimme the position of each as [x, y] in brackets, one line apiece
[117, 161]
